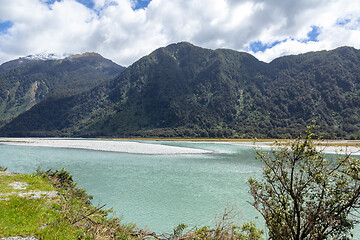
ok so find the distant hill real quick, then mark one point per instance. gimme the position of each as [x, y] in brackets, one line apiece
[25, 60]
[187, 91]
[27, 81]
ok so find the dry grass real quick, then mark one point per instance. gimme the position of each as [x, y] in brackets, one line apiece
[13, 141]
[338, 144]
[197, 139]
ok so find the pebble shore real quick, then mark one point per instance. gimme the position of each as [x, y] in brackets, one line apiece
[104, 145]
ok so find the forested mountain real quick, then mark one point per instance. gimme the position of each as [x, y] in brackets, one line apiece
[187, 91]
[27, 81]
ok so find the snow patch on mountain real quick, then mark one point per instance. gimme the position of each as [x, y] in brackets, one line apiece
[46, 56]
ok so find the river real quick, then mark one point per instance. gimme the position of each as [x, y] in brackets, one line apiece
[155, 191]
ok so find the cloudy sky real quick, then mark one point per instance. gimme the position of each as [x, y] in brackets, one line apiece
[125, 30]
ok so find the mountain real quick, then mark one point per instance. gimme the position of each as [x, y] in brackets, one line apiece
[30, 58]
[186, 91]
[27, 81]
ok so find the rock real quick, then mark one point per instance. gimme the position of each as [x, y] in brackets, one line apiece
[19, 185]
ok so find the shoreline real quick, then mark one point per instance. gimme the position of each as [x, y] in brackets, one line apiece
[128, 145]
[332, 147]
[103, 145]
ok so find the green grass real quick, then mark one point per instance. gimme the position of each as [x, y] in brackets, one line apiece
[35, 183]
[69, 215]
[32, 217]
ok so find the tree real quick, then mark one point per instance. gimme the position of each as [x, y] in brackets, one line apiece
[303, 195]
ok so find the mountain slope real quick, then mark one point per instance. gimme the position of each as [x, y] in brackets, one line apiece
[27, 81]
[186, 91]
[25, 60]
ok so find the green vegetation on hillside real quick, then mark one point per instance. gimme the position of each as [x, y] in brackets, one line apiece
[26, 84]
[190, 92]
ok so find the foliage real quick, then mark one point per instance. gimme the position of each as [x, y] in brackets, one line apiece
[2, 169]
[186, 91]
[24, 82]
[224, 230]
[303, 195]
[179, 230]
[60, 179]
[248, 231]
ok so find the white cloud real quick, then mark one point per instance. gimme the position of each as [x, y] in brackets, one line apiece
[326, 17]
[118, 32]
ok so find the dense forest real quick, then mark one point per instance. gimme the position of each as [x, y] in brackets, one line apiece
[186, 91]
[25, 82]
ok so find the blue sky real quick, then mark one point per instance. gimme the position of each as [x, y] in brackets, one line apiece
[142, 4]
[5, 26]
[125, 30]
[139, 4]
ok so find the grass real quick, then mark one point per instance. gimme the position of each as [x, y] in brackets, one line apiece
[199, 139]
[33, 217]
[338, 144]
[34, 182]
[40, 217]
[69, 215]
[13, 141]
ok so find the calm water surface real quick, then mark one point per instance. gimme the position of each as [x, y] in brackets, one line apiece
[155, 191]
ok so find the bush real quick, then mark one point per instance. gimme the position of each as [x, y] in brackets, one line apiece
[305, 196]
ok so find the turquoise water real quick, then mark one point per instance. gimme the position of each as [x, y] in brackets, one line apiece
[155, 191]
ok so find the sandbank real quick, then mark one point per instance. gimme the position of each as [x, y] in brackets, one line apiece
[132, 146]
[104, 145]
[327, 146]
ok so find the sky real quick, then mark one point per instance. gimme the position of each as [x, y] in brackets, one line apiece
[126, 30]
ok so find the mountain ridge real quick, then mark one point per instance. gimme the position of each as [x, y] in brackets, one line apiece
[26, 82]
[187, 91]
